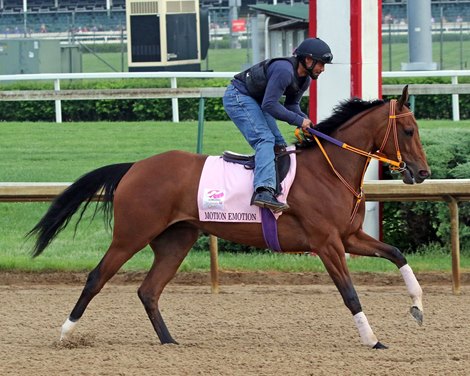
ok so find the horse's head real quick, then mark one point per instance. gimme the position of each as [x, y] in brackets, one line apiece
[401, 142]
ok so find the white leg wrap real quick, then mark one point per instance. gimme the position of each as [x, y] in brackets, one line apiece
[67, 329]
[365, 331]
[412, 284]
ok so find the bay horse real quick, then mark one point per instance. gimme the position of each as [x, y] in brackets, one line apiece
[154, 203]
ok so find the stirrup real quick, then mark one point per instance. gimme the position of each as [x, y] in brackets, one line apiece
[267, 199]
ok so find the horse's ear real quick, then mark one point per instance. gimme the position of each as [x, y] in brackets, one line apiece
[404, 98]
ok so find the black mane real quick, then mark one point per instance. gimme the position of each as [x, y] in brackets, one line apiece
[345, 111]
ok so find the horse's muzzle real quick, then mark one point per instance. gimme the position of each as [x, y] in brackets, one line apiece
[412, 176]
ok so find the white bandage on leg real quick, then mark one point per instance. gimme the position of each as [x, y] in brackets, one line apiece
[67, 329]
[412, 284]
[365, 331]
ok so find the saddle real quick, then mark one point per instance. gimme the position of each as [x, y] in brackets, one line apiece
[281, 161]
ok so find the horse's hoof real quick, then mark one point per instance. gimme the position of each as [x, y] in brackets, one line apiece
[379, 346]
[169, 342]
[417, 314]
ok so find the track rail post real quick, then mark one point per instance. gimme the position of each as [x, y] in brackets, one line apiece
[454, 235]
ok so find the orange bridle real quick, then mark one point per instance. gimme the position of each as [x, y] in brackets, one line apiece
[399, 165]
[392, 125]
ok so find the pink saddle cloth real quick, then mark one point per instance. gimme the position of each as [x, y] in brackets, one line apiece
[225, 191]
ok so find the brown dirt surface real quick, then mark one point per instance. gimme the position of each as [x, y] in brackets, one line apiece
[259, 324]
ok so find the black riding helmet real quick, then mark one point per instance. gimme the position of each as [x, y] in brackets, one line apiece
[317, 50]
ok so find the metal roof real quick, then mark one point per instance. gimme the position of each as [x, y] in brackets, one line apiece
[297, 11]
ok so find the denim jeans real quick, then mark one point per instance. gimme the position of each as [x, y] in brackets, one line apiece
[259, 129]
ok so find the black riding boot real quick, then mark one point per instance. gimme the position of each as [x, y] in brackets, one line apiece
[265, 198]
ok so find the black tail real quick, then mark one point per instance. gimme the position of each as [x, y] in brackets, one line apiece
[103, 181]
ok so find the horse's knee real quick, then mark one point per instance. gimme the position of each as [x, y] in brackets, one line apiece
[392, 254]
[397, 257]
[143, 296]
[148, 299]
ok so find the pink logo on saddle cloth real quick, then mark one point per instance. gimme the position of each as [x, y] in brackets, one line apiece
[213, 199]
[225, 191]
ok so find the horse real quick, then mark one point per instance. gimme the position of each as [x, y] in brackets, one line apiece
[154, 202]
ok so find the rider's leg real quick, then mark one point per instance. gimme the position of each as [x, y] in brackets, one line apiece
[247, 115]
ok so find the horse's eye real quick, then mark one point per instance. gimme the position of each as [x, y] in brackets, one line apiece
[409, 132]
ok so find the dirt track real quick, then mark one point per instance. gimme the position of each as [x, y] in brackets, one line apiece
[282, 327]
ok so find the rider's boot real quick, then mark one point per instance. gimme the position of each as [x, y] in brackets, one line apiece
[265, 198]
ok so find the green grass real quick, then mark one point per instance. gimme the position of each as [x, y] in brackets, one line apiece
[45, 152]
[443, 124]
[220, 60]
[61, 152]
[114, 62]
[223, 60]
[451, 55]
[38, 152]
[234, 60]
[308, 263]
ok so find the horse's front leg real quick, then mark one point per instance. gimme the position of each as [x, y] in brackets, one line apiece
[362, 244]
[334, 258]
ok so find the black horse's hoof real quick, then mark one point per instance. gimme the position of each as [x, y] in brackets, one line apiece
[168, 341]
[417, 315]
[379, 346]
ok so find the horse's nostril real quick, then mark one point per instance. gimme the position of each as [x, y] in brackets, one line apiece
[424, 173]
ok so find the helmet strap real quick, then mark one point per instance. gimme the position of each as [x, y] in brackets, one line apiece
[309, 70]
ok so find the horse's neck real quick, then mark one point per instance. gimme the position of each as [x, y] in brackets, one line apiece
[360, 133]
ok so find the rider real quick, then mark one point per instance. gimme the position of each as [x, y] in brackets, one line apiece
[252, 102]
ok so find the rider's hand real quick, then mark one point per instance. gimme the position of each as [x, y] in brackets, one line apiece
[307, 123]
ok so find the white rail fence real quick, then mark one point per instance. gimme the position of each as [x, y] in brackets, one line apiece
[58, 95]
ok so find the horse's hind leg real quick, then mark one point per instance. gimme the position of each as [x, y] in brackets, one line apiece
[362, 244]
[170, 249]
[112, 261]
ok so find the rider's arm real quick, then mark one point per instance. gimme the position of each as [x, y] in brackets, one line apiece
[280, 75]
[292, 102]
